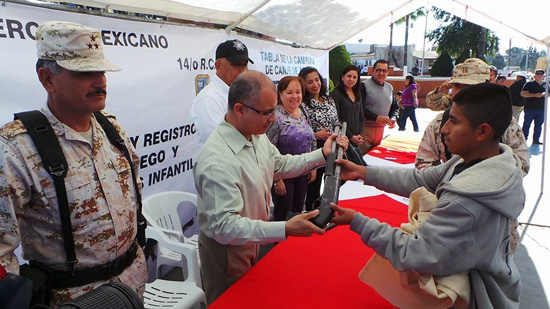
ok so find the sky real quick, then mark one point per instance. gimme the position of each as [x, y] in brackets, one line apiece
[381, 35]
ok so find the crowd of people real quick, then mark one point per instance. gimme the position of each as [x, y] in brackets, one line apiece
[261, 143]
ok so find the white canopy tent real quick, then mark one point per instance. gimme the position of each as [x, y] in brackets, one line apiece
[324, 24]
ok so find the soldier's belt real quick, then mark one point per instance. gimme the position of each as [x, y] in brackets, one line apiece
[66, 279]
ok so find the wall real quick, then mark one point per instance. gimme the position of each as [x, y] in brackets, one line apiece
[425, 85]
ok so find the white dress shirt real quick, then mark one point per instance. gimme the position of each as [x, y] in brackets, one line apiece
[209, 107]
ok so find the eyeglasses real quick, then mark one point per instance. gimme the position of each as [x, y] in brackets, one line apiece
[381, 71]
[266, 113]
[539, 73]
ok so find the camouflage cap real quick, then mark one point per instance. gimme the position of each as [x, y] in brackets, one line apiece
[472, 71]
[74, 47]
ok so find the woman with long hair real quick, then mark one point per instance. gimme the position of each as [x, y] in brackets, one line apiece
[323, 115]
[409, 101]
[347, 99]
[291, 134]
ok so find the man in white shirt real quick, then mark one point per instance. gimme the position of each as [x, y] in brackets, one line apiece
[209, 107]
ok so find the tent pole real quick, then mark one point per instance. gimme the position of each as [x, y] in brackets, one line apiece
[545, 118]
[424, 43]
[245, 16]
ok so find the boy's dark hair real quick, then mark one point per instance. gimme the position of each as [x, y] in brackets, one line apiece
[486, 103]
[501, 77]
[399, 93]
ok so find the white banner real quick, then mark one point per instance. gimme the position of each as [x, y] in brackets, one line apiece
[163, 68]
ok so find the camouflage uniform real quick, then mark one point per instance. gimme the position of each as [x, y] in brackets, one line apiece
[438, 101]
[101, 196]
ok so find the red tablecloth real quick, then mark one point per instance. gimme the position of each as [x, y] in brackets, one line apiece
[316, 272]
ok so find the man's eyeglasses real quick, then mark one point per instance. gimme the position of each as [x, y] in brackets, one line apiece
[539, 73]
[266, 113]
[381, 71]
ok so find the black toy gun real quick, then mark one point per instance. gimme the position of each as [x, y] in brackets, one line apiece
[332, 181]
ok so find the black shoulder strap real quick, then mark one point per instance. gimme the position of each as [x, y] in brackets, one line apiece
[444, 120]
[118, 142]
[53, 159]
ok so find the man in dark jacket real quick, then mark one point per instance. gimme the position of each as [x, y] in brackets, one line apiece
[534, 92]
[518, 102]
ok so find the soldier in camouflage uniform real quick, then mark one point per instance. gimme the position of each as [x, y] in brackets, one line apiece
[431, 150]
[101, 195]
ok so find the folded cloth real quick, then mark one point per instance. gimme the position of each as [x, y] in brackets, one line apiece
[409, 289]
[397, 156]
[405, 141]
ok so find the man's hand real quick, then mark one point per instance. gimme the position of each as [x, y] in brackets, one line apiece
[301, 226]
[350, 170]
[322, 135]
[344, 215]
[383, 119]
[392, 123]
[280, 188]
[311, 177]
[343, 141]
[444, 87]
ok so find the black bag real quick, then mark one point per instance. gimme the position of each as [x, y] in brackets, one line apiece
[40, 284]
[354, 155]
[15, 291]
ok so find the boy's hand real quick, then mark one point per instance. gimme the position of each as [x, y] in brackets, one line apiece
[350, 170]
[345, 215]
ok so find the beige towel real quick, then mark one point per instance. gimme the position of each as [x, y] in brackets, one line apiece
[410, 289]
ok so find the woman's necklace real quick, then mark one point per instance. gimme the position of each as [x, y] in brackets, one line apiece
[296, 113]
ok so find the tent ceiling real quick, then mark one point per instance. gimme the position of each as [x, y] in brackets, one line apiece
[324, 24]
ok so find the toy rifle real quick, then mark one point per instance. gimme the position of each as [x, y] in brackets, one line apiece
[332, 181]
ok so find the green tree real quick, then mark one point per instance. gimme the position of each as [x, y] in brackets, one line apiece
[518, 55]
[499, 62]
[330, 85]
[410, 17]
[443, 65]
[338, 59]
[463, 56]
[460, 36]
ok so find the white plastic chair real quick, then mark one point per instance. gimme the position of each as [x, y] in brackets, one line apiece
[175, 294]
[161, 211]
